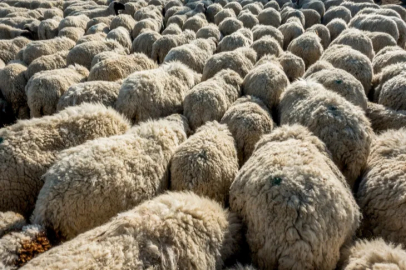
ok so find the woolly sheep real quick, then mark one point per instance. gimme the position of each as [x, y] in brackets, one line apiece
[402, 31]
[269, 16]
[391, 93]
[336, 27]
[101, 11]
[399, 9]
[328, 4]
[388, 58]
[162, 46]
[131, 7]
[172, 29]
[380, 11]
[229, 26]
[74, 21]
[195, 23]
[176, 19]
[98, 28]
[47, 62]
[383, 118]
[122, 36]
[248, 19]
[293, 66]
[209, 100]
[357, 40]
[315, 5]
[19, 22]
[239, 266]
[36, 49]
[167, 85]
[240, 60]
[387, 73]
[8, 32]
[48, 29]
[77, 8]
[306, 102]
[308, 47]
[224, 14]
[354, 8]
[260, 31]
[120, 67]
[143, 43]
[149, 12]
[209, 31]
[140, 173]
[145, 25]
[375, 23]
[255, 7]
[234, 6]
[352, 61]
[272, 4]
[99, 20]
[267, 45]
[83, 54]
[248, 119]
[323, 32]
[10, 221]
[74, 33]
[12, 85]
[99, 37]
[266, 81]
[47, 136]
[9, 48]
[289, 12]
[212, 10]
[213, 234]
[44, 89]
[338, 12]
[312, 17]
[290, 31]
[240, 38]
[303, 227]
[123, 20]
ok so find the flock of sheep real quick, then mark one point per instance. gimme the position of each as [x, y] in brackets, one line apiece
[202, 134]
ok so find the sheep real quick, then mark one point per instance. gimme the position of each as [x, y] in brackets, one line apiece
[338, 12]
[49, 13]
[352, 61]
[388, 58]
[99, 37]
[343, 83]
[105, 21]
[290, 31]
[9, 48]
[36, 49]
[8, 32]
[74, 21]
[20, 22]
[380, 40]
[74, 33]
[12, 85]
[102, 92]
[323, 32]
[254, 8]
[336, 27]
[149, 12]
[400, 10]
[166, 85]
[239, 266]
[234, 6]
[315, 5]
[387, 73]
[248, 119]
[209, 31]
[269, 16]
[391, 93]
[83, 54]
[123, 20]
[383, 118]
[312, 17]
[162, 46]
[10, 221]
[47, 62]
[120, 67]
[224, 14]
[75, 9]
[357, 40]
[212, 10]
[101, 11]
[381, 11]
[212, 232]
[290, 13]
[328, 4]
[402, 31]
[354, 8]
[209, 100]
[266, 81]
[375, 23]
[230, 25]
[143, 43]
[240, 38]
[98, 28]
[284, 194]
[248, 19]
[195, 23]
[308, 47]
[122, 36]
[48, 29]
[260, 31]
[240, 60]
[350, 145]
[293, 66]
[46, 137]
[44, 89]
[147, 179]
[267, 45]
[172, 29]
[272, 4]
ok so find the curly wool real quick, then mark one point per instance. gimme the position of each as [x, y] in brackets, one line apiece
[293, 66]
[323, 32]
[154, 234]
[387, 58]
[338, 12]
[383, 118]
[260, 31]
[380, 40]
[266, 45]
[123, 20]
[240, 38]
[295, 203]
[143, 43]
[10, 221]
[386, 74]
[341, 125]
[336, 27]
[122, 36]
[9, 48]
[230, 25]
[48, 29]
[47, 62]
[248, 19]
[209, 31]
[290, 31]
[357, 40]
[269, 16]
[375, 23]
[308, 47]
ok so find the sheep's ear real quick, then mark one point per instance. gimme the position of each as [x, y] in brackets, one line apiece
[118, 6]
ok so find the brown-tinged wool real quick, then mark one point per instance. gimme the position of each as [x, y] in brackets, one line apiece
[163, 45]
[83, 54]
[44, 89]
[172, 29]
[342, 83]
[154, 235]
[209, 31]
[388, 58]
[293, 66]
[138, 161]
[9, 48]
[98, 28]
[357, 40]
[36, 49]
[10, 222]
[240, 38]
[379, 193]
[399, 9]
[266, 81]
[123, 20]
[267, 45]
[229, 26]
[212, 10]
[392, 93]
[380, 40]
[336, 27]
[383, 118]
[241, 60]
[104, 20]
[156, 93]
[374, 254]
[323, 32]
[194, 54]
[24, 160]
[341, 125]
[102, 92]
[260, 31]
[195, 23]
[289, 12]
[143, 43]
[210, 99]
[74, 21]
[290, 31]
[295, 203]
[248, 119]
[375, 23]
[338, 12]
[74, 33]
[312, 17]
[354, 8]
[17, 248]
[99, 37]
[120, 67]
[269, 16]
[206, 163]
[352, 61]
[308, 47]
[248, 19]
[12, 87]
[47, 62]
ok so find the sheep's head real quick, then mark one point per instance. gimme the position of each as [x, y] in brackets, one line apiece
[117, 6]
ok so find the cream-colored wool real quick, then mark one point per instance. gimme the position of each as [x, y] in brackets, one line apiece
[143, 43]
[210, 99]
[83, 54]
[296, 206]
[357, 40]
[123, 20]
[209, 31]
[48, 29]
[352, 61]
[240, 38]
[10, 221]
[162, 46]
[248, 19]
[241, 60]
[126, 170]
[312, 17]
[289, 12]
[172, 29]
[8, 32]
[106, 55]
[254, 7]
[379, 193]
[336, 27]
[248, 119]
[101, 11]
[224, 14]
[74, 33]
[120, 67]
[383, 118]
[102, 92]
[98, 28]
[20, 22]
[45, 88]
[154, 235]
[308, 47]
[290, 31]
[266, 81]
[172, 3]
[267, 45]
[144, 26]
[212, 10]
[195, 23]
[9, 48]
[293, 66]
[323, 32]
[354, 8]
[380, 40]
[74, 21]
[105, 21]
[392, 93]
[338, 12]
[194, 55]
[230, 25]
[234, 6]
[341, 125]
[156, 93]
[260, 31]
[121, 35]
[99, 37]
[149, 12]
[402, 31]
[12, 87]
[206, 163]
[269, 16]
[72, 9]
[30, 147]
[385, 75]
[47, 62]
[36, 49]
[170, 12]
[177, 19]
[375, 23]
[388, 58]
